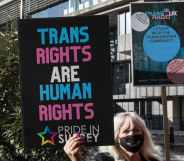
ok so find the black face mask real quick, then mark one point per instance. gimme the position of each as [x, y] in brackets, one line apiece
[132, 143]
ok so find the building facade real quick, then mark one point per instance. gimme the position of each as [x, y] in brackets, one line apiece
[144, 100]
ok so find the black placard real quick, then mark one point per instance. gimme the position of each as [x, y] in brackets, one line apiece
[66, 80]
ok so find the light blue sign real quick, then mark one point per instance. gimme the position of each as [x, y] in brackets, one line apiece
[161, 43]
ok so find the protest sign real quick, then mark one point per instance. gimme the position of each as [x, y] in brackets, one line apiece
[66, 80]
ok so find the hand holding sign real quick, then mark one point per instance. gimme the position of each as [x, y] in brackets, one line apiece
[72, 147]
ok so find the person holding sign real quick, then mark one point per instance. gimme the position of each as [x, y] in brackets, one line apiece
[133, 141]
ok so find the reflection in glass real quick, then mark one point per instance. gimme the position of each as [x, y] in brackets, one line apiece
[56, 11]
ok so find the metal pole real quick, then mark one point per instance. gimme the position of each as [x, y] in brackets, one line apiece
[21, 9]
[165, 125]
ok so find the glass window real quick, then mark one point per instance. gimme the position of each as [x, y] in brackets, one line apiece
[41, 14]
[157, 109]
[113, 43]
[131, 106]
[86, 2]
[136, 107]
[128, 23]
[124, 23]
[55, 11]
[80, 4]
[72, 5]
[120, 75]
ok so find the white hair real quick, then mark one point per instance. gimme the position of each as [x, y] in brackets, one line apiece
[148, 149]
